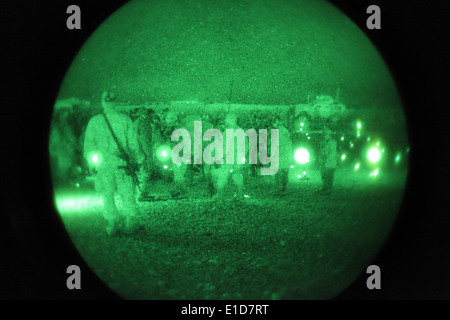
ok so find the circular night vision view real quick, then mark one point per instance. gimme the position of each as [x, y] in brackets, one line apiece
[216, 149]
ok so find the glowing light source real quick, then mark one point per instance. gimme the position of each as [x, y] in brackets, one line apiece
[357, 166]
[397, 158]
[358, 125]
[343, 157]
[374, 173]
[165, 167]
[374, 155]
[95, 158]
[163, 153]
[301, 155]
[69, 204]
[302, 124]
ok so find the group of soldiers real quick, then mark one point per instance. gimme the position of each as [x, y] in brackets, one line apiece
[122, 154]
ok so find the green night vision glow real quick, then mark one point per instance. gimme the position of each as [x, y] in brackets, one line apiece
[301, 155]
[153, 228]
[374, 155]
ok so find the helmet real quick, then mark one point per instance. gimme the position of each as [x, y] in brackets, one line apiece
[108, 96]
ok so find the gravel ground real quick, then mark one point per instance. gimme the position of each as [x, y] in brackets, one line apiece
[299, 246]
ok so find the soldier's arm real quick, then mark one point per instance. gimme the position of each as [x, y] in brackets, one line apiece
[133, 143]
[90, 144]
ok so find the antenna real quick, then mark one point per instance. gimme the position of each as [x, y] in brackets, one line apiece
[231, 95]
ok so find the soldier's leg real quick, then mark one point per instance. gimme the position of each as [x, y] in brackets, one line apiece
[284, 179]
[145, 176]
[331, 179]
[326, 179]
[105, 184]
[238, 180]
[207, 175]
[179, 186]
[127, 192]
[223, 172]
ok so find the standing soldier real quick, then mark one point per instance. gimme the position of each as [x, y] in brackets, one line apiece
[63, 146]
[206, 125]
[108, 137]
[285, 155]
[328, 159]
[145, 128]
[172, 122]
[223, 173]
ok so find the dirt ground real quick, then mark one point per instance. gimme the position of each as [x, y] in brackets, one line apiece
[302, 245]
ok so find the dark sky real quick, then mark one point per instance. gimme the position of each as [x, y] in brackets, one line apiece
[275, 51]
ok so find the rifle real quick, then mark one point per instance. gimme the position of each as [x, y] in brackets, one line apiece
[130, 167]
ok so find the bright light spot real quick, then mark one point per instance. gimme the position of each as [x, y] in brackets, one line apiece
[302, 124]
[375, 173]
[231, 170]
[163, 153]
[358, 125]
[378, 144]
[374, 155]
[368, 138]
[304, 173]
[77, 185]
[357, 166]
[307, 134]
[299, 176]
[351, 144]
[382, 150]
[358, 134]
[342, 138]
[309, 137]
[243, 159]
[343, 157]
[292, 167]
[71, 203]
[95, 158]
[165, 167]
[246, 196]
[301, 155]
[397, 158]
[301, 129]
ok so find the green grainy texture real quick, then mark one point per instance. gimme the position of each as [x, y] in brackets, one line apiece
[277, 52]
[302, 244]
